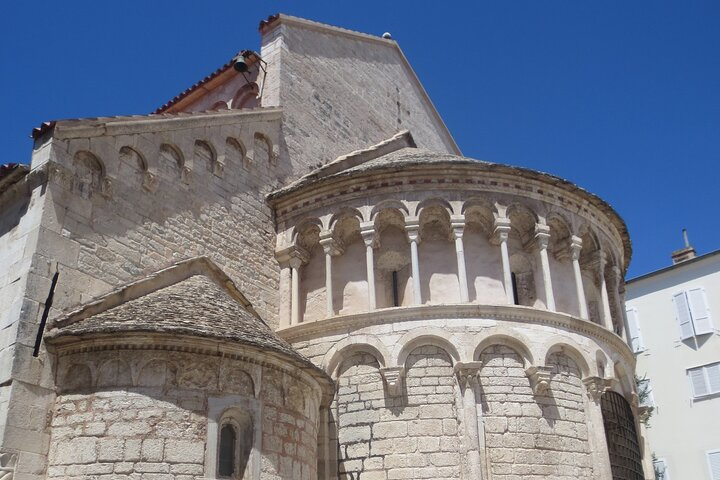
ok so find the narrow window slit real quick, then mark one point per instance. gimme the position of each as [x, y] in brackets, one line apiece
[516, 300]
[228, 439]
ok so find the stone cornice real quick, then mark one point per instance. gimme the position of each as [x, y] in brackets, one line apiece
[509, 313]
[130, 125]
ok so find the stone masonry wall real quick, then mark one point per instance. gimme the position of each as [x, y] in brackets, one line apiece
[145, 415]
[340, 94]
[420, 430]
[128, 433]
[22, 295]
[409, 437]
[533, 436]
[109, 216]
[289, 436]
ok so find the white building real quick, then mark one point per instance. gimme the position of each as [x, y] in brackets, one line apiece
[673, 318]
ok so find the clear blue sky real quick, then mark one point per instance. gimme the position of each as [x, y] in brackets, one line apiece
[622, 98]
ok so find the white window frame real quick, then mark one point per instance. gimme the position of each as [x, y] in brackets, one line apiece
[709, 464]
[666, 472]
[633, 319]
[700, 323]
[705, 371]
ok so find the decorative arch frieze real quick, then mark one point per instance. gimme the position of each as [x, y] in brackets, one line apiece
[351, 345]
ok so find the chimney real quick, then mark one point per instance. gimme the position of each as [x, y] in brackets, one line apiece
[685, 253]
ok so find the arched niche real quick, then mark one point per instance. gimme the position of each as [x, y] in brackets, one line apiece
[437, 257]
[204, 154]
[524, 277]
[235, 153]
[172, 161]
[78, 378]
[114, 373]
[393, 271]
[483, 262]
[565, 347]
[350, 286]
[413, 340]
[246, 97]
[351, 346]
[262, 150]
[514, 342]
[561, 269]
[312, 274]
[219, 105]
[89, 173]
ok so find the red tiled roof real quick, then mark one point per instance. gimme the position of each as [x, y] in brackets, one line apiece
[44, 127]
[194, 87]
[268, 21]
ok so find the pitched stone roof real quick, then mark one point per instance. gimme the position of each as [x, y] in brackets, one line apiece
[192, 298]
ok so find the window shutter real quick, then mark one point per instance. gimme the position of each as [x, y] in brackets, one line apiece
[714, 462]
[636, 343]
[697, 380]
[682, 312]
[700, 311]
[713, 377]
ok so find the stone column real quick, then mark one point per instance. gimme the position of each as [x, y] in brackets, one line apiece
[458, 226]
[542, 238]
[614, 291]
[502, 230]
[295, 264]
[596, 386]
[412, 227]
[474, 431]
[324, 470]
[296, 257]
[331, 247]
[367, 230]
[285, 294]
[575, 247]
[601, 262]
[290, 259]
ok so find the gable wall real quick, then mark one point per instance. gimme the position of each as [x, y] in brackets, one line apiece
[343, 92]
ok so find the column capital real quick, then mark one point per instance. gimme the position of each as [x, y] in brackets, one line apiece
[393, 378]
[542, 235]
[596, 386]
[502, 229]
[539, 378]
[576, 245]
[292, 255]
[466, 371]
[616, 274]
[367, 231]
[412, 228]
[457, 223]
[331, 245]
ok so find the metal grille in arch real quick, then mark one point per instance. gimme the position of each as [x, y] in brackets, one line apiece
[621, 436]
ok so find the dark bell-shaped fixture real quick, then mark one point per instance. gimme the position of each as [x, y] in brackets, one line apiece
[240, 64]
